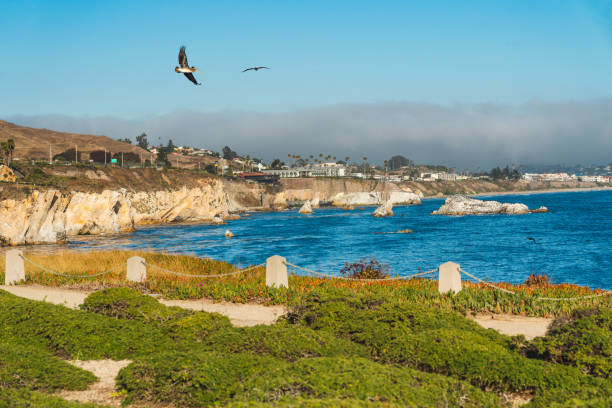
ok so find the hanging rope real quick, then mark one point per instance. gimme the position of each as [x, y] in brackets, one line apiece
[51, 271]
[606, 293]
[220, 275]
[324, 275]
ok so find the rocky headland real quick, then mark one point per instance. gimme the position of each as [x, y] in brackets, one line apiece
[52, 215]
[462, 205]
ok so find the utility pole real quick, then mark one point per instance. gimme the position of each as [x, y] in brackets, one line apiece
[121, 159]
[50, 155]
[76, 153]
[104, 157]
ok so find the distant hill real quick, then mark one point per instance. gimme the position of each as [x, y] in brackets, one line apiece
[32, 143]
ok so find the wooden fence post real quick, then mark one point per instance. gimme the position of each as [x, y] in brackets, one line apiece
[276, 272]
[136, 269]
[14, 270]
[449, 278]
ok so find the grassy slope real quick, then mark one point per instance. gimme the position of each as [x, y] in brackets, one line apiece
[250, 286]
[362, 350]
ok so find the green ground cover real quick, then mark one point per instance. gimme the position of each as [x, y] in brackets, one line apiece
[332, 349]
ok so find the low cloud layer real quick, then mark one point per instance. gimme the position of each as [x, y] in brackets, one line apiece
[465, 136]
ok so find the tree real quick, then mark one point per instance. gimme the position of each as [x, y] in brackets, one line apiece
[126, 140]
[68, 155]
[229, 154]
[277, 164]
[98, 156]
[162, 156]
[399, 161]
[142, 142]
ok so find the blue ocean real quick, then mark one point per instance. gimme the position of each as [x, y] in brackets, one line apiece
[572, 243]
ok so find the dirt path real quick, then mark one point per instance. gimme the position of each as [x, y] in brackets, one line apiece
[512, 325]
[101, 392]
[252, 314]
[239, 314]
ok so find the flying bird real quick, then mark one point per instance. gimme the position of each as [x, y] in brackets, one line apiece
[185, 68]
[532, 239]
[255, 69]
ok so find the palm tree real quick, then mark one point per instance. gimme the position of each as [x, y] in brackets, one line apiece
[320, 154]
[334, 158]
[11, 148]
[4, 152]
[346, 159]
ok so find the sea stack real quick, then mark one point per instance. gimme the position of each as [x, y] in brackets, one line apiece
[385, 210]
[306, 208]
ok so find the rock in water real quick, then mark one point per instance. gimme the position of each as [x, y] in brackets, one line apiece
[314, 203]
[306, 208]
[217, 220]
[462, 205]
[542, 209]
[228, 234]
[385, 210]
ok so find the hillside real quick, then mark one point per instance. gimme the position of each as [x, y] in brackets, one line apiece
[32, 143]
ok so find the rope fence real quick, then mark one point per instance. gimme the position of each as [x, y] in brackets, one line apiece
[51, 271]
[277, 270]
[219, 275]
[325, 275]
[606, 293]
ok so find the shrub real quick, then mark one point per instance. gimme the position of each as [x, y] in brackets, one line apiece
[24, 398]
[283, 341]
[538, 280]
[127, 303]
[74, 333]
[189, 379]
[365, 269]
[583, 339]
[430, 339]
[364, 380]
[38, 369]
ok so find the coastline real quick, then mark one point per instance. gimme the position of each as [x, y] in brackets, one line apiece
[529, 192]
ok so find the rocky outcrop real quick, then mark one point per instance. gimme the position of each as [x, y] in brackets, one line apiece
[49, 216]
[6, 174]
[462, 205]
[228, 234]
[306, 208]
[385, 210]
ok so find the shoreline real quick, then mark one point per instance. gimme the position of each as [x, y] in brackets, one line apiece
[529, 192]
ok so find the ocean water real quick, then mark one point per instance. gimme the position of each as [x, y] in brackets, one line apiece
[573, 241]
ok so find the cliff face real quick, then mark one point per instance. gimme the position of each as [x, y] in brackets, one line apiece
[50, 216]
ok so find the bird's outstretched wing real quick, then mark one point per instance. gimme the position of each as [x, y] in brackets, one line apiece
[183, 58]
[254, 68]
[190, 77]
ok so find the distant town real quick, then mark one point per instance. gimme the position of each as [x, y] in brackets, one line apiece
[123, 153]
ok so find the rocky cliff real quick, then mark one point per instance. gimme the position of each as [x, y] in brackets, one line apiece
[49, 216]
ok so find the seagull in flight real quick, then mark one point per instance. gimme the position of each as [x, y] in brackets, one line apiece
[185, 68]
[255, 69]
[532, 239]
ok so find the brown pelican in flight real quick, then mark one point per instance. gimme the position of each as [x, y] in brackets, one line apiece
[255, 69]
[185, 68]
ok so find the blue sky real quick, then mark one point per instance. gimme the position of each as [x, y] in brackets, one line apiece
[467, 84]
[117, 58]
